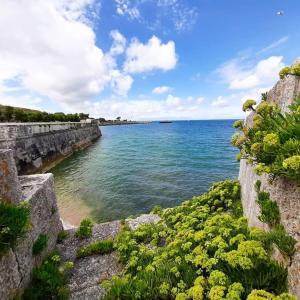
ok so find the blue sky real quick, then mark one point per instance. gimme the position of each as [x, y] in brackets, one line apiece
[144, 59]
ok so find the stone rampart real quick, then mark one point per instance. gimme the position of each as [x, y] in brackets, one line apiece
[37, 146]
[38, 192]
[286, 193]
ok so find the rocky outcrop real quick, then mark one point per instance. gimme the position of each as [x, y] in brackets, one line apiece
[89, 272]
[38, 192]
[37, 146]
[285, 192]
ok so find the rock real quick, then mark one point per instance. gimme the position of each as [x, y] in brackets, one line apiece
[17, 264]
[143, 219]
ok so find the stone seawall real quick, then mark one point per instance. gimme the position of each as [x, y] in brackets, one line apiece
[286, 193]
[37, 146]
[38, 192]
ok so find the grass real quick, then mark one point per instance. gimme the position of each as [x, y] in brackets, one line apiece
[62, 235]
[98, 247]
[49, 280]
[40, 244]
[14, 223]
[85, 229]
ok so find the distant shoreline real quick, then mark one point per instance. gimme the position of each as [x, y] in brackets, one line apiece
[122, 123]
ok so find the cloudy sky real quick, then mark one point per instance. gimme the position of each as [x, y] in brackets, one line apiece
[144, 59]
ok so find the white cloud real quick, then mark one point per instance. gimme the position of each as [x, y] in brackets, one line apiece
[53, 55]
[239, 75]
[161, 89]
[220, 102]
[125, 7]
[200, 100]
[172, 107]
[49, 48]
[274, 44]
[147, 57]
[121, 83]
[119, 43]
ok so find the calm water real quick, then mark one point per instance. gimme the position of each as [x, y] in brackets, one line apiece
[132, 168]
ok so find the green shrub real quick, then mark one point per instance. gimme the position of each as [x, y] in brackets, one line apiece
[85, 229]
[62, 235]
[49, 280]
[285, 71]
[293, 70]
[284, 242]
[14, 222]
[270, 214]
[248, 105]
[269, 210]
[40, 244]
[98, 247]
[200, 249]
[273, 142]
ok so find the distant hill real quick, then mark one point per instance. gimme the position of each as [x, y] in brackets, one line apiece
[3, 108]
[20, 114]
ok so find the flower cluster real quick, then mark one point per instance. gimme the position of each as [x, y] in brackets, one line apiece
[293, 70]
[272, 142]
[202, 249]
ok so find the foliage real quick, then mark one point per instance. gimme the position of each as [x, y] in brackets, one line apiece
[16, 114]
[98, 247]
[269, 211]
[284, 242]
[263, 295]
[85, 229]
[49, 280]
[248, 105]
[62, 235]
[293, 70]
[40, 244]
[200, 249]
[14, 222]
[270, 214]
[273, 143]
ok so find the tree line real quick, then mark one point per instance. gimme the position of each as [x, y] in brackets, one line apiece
[14, 114]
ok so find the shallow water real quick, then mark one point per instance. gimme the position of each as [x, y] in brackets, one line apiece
[131, 168]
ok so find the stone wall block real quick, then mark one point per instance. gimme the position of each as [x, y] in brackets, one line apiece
[10, 188]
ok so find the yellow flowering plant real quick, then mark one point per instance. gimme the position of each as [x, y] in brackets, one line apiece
[195, 252]
[272, 141]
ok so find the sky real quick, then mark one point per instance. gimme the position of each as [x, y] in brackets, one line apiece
[144, 59]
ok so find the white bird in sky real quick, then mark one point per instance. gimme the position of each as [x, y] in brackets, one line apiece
[280, 13]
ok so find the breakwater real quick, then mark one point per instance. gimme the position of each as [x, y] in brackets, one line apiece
[38, 146]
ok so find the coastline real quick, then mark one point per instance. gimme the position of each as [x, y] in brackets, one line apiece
[122, 123]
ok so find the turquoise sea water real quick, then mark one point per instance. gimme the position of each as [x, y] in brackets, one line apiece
[131, 168]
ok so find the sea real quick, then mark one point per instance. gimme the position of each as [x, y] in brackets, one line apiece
[132, 168]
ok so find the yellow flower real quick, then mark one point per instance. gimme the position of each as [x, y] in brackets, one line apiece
[292, 163]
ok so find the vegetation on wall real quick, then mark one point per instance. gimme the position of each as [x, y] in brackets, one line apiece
[270, 214]
[16, 114]
[293, 70]
[202, 249]
[97, 247]
[272, 143]
[14, 222]
[62, 235]
[40, 244]
[49, 280]
[85, 229]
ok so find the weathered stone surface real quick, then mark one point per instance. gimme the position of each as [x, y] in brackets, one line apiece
[285, 91]
[10, 188]
[17, 264]
[143, 219]
[88, 272]
[37, 146]
[285, 192]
